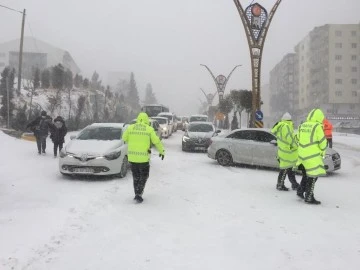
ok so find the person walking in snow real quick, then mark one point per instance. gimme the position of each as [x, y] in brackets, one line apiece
[287, 151]
[328, 127]
[58, 131]
[139, 137]
[311, 151]
[40, 126]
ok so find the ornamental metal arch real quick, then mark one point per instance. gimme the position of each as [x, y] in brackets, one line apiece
[256, 22]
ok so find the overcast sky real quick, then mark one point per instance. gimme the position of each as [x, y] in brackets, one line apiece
[165, 41]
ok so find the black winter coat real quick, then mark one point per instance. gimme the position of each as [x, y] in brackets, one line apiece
[58, 133]
[40, 126]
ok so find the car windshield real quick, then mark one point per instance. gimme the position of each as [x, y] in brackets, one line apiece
[161, 121]
[200, 128]
[198, 118]
[100, 133]
[167, 116]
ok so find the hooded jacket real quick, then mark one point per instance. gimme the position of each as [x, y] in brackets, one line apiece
[328, 127]
[286, 142]
[58, 130]
[312, 144]
[139, 137]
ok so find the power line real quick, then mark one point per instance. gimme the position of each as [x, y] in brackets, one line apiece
[11, 9]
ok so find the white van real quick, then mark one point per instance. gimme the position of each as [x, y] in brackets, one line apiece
[172, 120]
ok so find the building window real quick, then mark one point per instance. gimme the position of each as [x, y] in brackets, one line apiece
[353, 57]
[338, 93]
[353, 69]
[338, 57]
[353, 81]
[338, 81]
[354, 93]
[338, 45]
[353, 45]
[338, 69]
[353, 33]
[338, 33]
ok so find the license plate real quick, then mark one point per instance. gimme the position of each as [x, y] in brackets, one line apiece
[83, 170]
[200, 148]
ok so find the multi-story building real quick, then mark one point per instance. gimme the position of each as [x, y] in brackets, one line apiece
[326, 73]
[36, 53]
[283, 90]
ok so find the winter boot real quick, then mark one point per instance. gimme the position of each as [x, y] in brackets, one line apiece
[281, 179]
[292, 179]
[309, 193]
[138, 199]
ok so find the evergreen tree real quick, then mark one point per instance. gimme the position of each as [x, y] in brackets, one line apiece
[78, 81]
[68, 84]
[57, 77]
[45, 78]
[133, 95]
[95, 83]
[86, 83]
[80, 110]
[150, 97]
[20, 119]
[35, 85]
[7, 91]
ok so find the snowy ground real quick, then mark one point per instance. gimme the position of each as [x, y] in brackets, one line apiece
[196, 215]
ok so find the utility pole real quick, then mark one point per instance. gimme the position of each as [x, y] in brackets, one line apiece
[21, 50]
[256, 22]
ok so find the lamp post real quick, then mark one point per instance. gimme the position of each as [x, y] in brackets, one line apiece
[256, 22]
[220, 81]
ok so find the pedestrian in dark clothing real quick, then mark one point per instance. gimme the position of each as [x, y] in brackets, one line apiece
[58, 131]
[40, 126]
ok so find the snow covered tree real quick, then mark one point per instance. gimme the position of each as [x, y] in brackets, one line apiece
[86, 83]
[150, 97]
[95, 84]
[35, 85]
[7, 87]
[78, 81]
[225, 106]
[45, 78]
[20, 119]
[57, 76]
[68, 84]
[79, 111]
[133, 96]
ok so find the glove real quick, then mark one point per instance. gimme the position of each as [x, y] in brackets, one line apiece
[161, 156]
[149, 151]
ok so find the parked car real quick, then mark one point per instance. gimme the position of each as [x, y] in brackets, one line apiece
[172, 120]
[164, 126]
[256, 147]
[198, 118]
[198, 136]
[97, 150]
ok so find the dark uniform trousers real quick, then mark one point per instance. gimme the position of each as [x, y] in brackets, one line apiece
[41, 143]
[140, 172]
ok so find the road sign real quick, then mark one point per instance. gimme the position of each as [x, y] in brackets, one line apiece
[259, 115]
[220, 116]
[259, 124]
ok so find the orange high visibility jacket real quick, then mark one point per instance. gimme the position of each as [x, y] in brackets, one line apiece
[328, 127]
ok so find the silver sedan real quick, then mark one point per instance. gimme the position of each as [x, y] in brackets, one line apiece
[256, 147]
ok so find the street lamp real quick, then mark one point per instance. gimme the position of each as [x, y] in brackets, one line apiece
[220, 81]
[256, 22]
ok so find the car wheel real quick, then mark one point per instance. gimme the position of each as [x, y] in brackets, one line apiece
[124, 167]
[224, 158]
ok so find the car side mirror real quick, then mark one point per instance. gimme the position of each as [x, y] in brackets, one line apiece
[274, 142]
[218, 131]
[72, 137]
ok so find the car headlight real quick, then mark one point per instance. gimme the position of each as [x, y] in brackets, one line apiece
[165, 128]
[185, 139]
[113, 155]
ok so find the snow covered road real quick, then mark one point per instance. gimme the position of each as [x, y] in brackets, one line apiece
[196, 215]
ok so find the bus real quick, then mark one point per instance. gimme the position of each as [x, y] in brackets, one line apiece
[154, 109]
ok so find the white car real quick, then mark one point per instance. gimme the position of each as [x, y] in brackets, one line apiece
[97, 150]
[198, 118]
[164, 126]
[172, 120]
[256, 147]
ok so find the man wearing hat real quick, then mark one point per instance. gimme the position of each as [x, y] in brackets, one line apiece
[287, 151]
[40, 126]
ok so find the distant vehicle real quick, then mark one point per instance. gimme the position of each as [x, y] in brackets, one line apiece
[154, 109]
[198, 118]
[97, 150]
[164, 125]
[172, 120]
[198, 136]
[256, 147]
[154, 124]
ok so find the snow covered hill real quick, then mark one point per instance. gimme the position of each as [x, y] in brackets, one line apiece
[196, 215]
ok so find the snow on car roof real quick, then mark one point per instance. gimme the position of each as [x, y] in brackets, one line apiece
[198, 115]
[159, 117]
[200, 122]
[116, 125]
